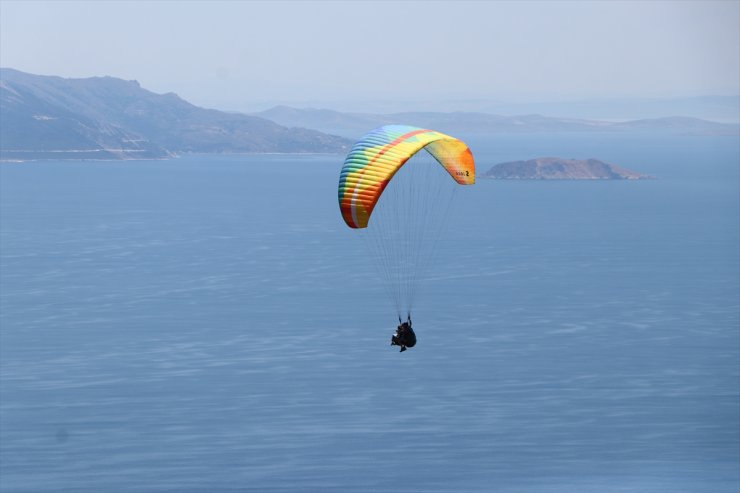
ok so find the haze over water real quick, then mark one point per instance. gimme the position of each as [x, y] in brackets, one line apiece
[210, 324]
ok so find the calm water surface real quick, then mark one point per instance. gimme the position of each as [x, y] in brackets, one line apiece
[210, 324]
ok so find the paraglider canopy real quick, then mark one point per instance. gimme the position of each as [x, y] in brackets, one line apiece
[375, 159]
[395, 194]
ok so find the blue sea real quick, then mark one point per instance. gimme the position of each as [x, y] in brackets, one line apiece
[209, 324]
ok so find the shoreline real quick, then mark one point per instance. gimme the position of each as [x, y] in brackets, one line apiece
[168, 158]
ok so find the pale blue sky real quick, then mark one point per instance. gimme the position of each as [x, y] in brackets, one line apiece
[237, 55]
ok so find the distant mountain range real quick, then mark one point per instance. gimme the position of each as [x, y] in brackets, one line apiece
[714, 108]
[553, 168]
[354, 125]
[47, 117]
[44, 117]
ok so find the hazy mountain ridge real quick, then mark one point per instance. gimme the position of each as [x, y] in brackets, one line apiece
[711, 107]
[109, 118]
[354, 125]
[554, 168]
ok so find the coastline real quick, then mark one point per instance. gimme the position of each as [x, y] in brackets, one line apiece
[165, 158]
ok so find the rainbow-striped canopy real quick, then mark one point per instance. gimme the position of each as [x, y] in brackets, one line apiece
[376, 157]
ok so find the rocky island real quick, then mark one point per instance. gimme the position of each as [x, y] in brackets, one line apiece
[554, 168]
